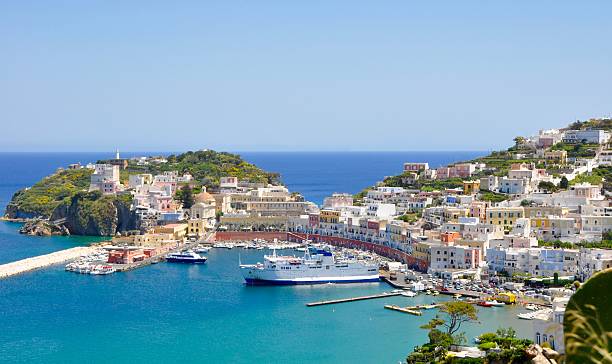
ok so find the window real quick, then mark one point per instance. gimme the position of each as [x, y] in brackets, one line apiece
[551, 340]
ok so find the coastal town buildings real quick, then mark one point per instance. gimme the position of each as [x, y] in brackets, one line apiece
[595, 136]
[105, 178]
[548, 326]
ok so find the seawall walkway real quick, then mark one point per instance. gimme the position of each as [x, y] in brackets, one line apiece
[41, 261]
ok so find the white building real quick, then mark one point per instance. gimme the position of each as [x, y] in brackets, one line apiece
[338, 200]
[514, 186]
[595, 136]
[591, 261]
[381, 210]
[605, 158]
[548, 327]
[105, 178]
[445, 257]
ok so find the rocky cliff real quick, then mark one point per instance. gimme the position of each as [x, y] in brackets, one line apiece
[90, 213]
[41, 227]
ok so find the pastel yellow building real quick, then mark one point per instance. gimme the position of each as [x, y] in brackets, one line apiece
[197, 227]
[422, 251]
[504, 216]
[330, 216]
[556, 156]
[544, 211]
[471, 187]
[178, 231]
[452, 214]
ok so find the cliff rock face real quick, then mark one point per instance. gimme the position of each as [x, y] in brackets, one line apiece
[43, 228]
[92, 214]
[14, 212]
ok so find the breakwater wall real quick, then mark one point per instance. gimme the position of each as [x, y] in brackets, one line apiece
[41, 261]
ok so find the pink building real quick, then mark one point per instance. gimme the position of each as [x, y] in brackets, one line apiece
[313, 220]
[109, 187]
[125, 255]
[415, 167]
[461, 170]
[478, 209]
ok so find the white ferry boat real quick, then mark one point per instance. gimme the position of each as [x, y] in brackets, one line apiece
[316, 267]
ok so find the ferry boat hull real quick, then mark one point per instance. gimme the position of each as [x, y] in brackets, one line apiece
[313, 280]
[318, 268]
[183, 260]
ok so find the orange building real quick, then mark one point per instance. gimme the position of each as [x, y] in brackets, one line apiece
[449, 237]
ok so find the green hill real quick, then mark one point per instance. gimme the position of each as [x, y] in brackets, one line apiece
[63, 195]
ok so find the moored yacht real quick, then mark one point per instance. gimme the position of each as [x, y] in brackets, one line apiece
[186, 257]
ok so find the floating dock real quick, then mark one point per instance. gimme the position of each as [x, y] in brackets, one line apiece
[403, 309]
[41, 261]
[353, 299]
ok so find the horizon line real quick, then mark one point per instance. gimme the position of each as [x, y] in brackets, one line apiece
[248, 151]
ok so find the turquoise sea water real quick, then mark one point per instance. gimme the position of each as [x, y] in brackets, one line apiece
[203, 314]
[170, 312]
[14, 246]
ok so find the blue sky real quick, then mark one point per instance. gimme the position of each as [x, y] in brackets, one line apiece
[288, 75]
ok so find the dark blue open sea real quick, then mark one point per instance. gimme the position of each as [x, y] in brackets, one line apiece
[205, 314]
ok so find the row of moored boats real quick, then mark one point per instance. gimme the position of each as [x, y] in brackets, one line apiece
[93, 263]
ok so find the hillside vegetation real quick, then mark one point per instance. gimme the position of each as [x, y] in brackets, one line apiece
[207, 167]
[64, 196]
[41, 199]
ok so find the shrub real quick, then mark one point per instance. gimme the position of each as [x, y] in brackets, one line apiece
[487, 346]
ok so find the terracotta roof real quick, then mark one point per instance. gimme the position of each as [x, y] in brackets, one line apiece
[204, 197]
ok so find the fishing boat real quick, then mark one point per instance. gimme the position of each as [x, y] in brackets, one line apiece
[102, 270]
[526, 316]
[222, 246]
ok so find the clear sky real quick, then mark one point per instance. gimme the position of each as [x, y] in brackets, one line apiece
[289, 75]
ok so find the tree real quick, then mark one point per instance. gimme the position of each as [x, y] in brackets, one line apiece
[186, 197]
[518, 141]
[564, 184]
[548, 186]
[457, 313]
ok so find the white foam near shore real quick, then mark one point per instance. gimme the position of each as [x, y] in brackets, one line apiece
[41, 261]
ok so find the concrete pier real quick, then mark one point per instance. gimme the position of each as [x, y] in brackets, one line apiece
[353, 299]
[403, 309]
[41, 261]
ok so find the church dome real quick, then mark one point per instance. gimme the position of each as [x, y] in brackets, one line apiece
[204, 197]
